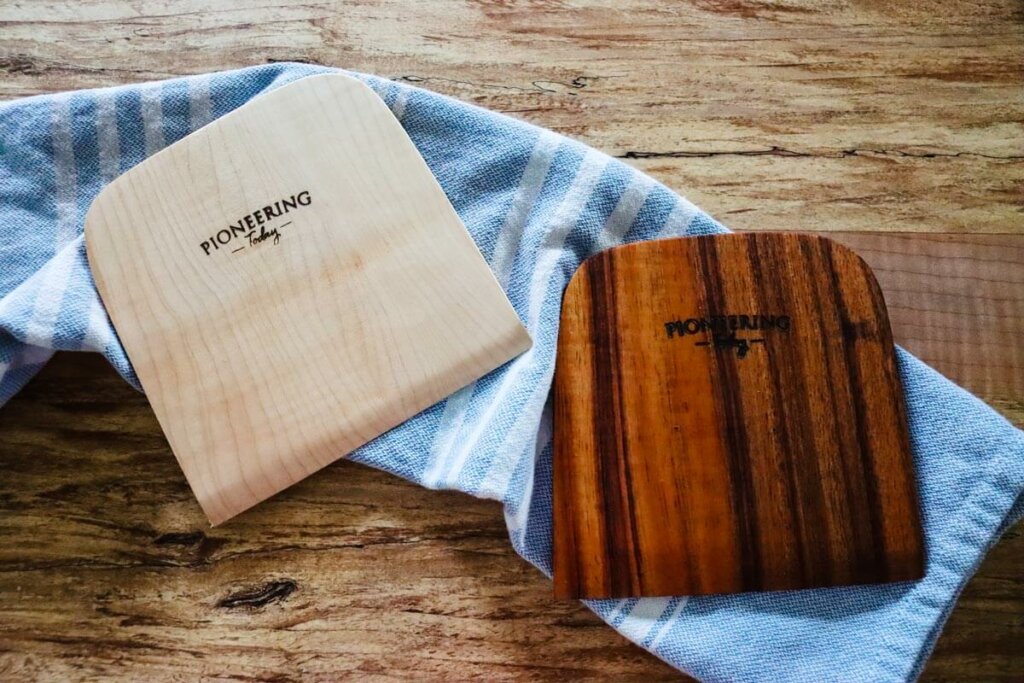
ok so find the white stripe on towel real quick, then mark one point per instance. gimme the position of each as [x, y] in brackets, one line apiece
[509, 236]
[200, 106]
[107, 138]
[642, 619]
[516, 524]
[46, 308]
[549, 253]
[452, 417]
[621, 219]
[153, 119]
[667, 626]
[97, 333]
[511, 233]
[625, 213]
[678, 220]
[398, 108]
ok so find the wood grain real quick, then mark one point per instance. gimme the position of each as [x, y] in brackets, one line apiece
[729, 418]
[283, 299]
[789, 115]
[110, 571]
[956, 302]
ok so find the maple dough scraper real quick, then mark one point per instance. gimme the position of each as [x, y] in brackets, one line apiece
[290, 282]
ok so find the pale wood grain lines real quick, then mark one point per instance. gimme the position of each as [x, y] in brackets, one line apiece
[283, 303]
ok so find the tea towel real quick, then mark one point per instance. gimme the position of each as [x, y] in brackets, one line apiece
[537, 204]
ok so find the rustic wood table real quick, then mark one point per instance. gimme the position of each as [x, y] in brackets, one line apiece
[776, 115]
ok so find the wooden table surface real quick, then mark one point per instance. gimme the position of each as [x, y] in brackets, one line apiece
[791, 114]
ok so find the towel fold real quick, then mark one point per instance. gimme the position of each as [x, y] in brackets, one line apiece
[536, 204]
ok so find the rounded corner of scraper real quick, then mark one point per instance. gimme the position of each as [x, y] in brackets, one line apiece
[845, 251]
[841, 248]
[342, 82]
[579, 277]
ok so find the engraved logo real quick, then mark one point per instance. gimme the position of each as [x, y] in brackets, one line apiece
[728, 332]
[259, 227]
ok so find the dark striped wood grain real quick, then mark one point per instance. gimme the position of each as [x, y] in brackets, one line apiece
[956, 301]
[699, 453]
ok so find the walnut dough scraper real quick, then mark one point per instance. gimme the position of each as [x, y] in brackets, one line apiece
[729, 417]
[290, 282]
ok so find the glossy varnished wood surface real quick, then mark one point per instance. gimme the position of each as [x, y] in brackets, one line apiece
[798, 115]
[766, 451]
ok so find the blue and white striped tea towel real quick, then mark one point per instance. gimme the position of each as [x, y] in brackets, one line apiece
[537, 204]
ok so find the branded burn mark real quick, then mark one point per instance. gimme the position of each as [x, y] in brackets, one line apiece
[723, 332]
[256, 228]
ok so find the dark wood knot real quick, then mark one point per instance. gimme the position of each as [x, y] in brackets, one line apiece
[260, 596]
